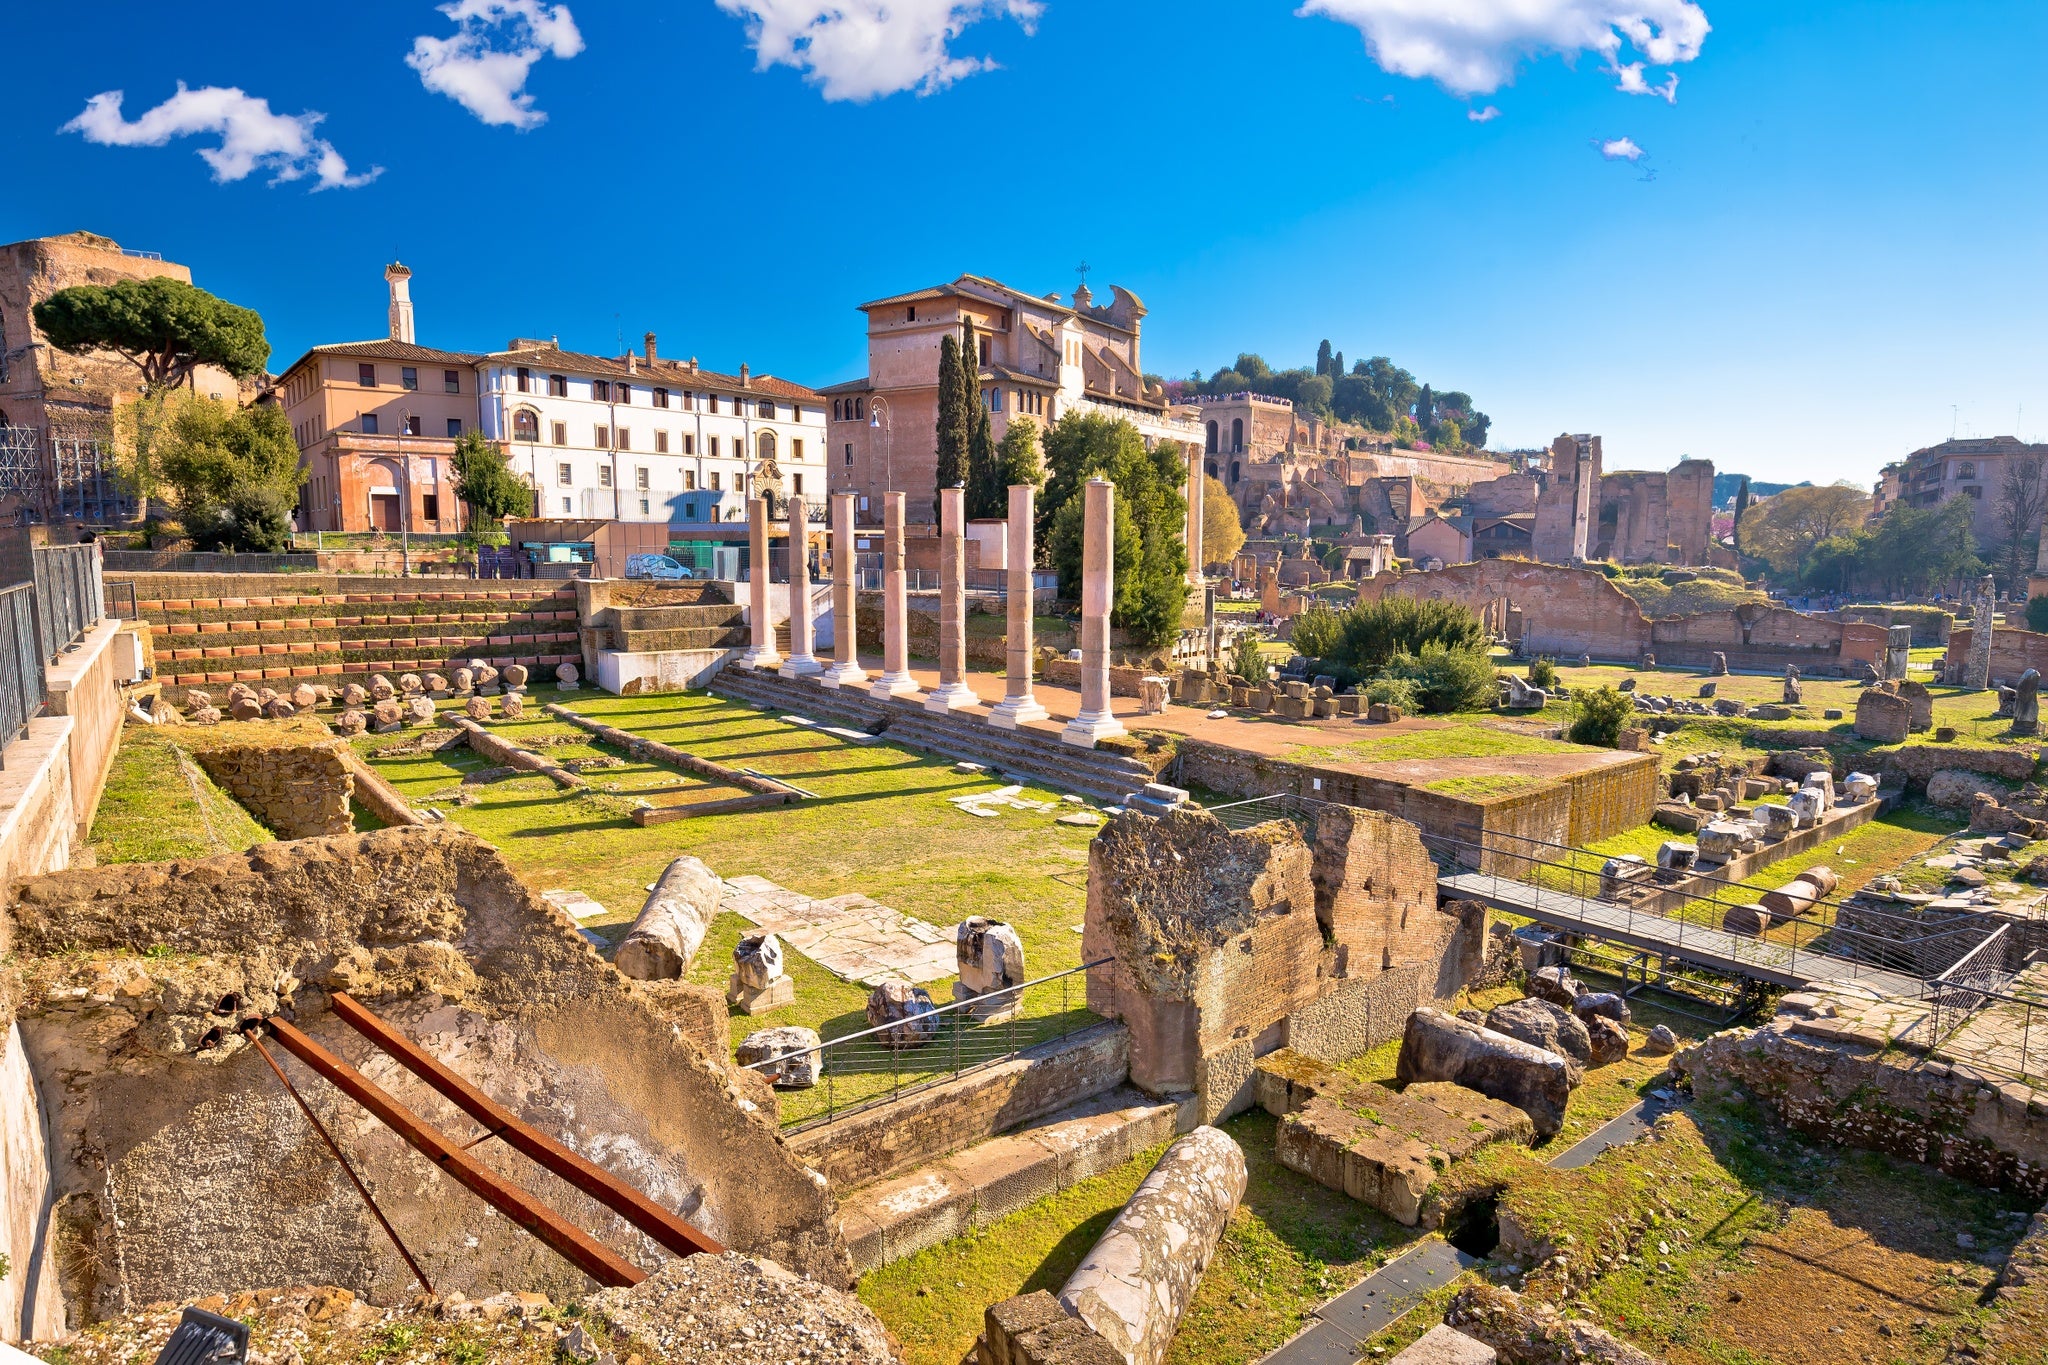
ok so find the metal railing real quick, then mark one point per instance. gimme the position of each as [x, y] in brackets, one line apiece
[857, 1071]
[70, 593]
[1984, 1017]
[1974, 977]
[24, 687]
[120, 600]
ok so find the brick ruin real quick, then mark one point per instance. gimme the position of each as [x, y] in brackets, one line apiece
[176, 1166]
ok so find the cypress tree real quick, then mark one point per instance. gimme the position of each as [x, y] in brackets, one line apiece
[1323, 357]
[1337, 366]
[955, 422]
[986, 495]
[1741, 506]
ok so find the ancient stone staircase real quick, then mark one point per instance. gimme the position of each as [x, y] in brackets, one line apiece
[1019, 754]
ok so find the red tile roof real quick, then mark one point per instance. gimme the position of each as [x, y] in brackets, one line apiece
[662, 371]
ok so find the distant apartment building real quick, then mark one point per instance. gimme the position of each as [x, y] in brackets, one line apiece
[1972, 468]
[376, 424]
[1035, 357]
[56, 409]
[645, 439]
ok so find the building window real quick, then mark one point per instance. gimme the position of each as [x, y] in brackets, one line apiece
[661, 443]
[689, 511]
[983, 352]
[1966, 471]
[689, 401]
[525, 425]
[796, 412]
[604, 476]
[622, 393]
[689, 480]
[849, 453]
[525, 380]
[713, 441]
[558, 386]
[565, 507]
[661, 398]
[689, 444]
[910, 313]
[640, 478]
[711, 403]
[643, 507]
[767, 409]
[796, 449]
[451, 381]
[412, 426]
[369, 424]
[625, 439]
[835, 410]
[796, 484]
[766, 445]
[601, 390]
[430, 506]
[366, 375]
[562, 474]
[860, 409]
[1236, 436]
[408, 377]
[454, 426]
[561, 433]
[713, 481]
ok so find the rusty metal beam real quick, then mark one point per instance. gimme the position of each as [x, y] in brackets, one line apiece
[664, 1227]
[574, 1245]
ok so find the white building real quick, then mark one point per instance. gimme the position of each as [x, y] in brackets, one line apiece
[640, 438]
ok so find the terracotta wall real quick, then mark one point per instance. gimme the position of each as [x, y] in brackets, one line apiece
[2013, 652]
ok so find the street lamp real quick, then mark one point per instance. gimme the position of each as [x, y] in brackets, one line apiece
[880, 420]
[404, 497]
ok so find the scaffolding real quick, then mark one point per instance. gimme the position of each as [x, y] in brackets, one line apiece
[21, 465]
[87, 488]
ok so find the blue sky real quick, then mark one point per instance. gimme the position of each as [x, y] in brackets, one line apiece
[1827, 252]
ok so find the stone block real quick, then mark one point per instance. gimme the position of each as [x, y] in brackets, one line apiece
[1440, 1047]
[1446, 1345]
[759, 999]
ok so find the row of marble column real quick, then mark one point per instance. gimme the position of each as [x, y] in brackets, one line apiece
[953, 693]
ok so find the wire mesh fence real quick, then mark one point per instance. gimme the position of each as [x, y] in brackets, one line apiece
[876, 1064]
[70, 594]
[24, 687]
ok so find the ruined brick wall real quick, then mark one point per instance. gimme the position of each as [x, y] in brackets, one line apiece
[1931, 625]
[1507, 496]
[2013, 652]
[1757, 636]
[139, 976]
[297, 786]
[1565, 611]
[1567, 503]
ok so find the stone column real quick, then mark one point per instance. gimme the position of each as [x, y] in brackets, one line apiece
[801, 663]
[952, 692]
[1098, 592]
[1018, 705]
[761, 653]
[845, 670]
[1194, 531]
[895, 680]
[1977, 665]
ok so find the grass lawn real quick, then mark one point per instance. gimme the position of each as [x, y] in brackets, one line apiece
[881, 825]
[1463, 737]
[159, 804]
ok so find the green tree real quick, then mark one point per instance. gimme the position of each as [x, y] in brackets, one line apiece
[1781, 529]
[2037, 614]
[1317, 631]
[2016, 518]
[1602, 714]
[1741, 506]
[235, 473]
[1323, 358]
[1337, 367]
[1222, 532]
[1151, 551]
[1312, 394]
[1247, 660]
[1019, 459]
[987, 494]
[1375, 633]
[1448, 680]
[1919, 549]
[955, 422]
[166, 328]
[488, 487]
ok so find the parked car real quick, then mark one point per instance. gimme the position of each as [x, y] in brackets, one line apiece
[660, 567]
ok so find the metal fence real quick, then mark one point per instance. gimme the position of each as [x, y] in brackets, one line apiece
[24, 688]
[120, 600]
[858, 1071]
[70, 593]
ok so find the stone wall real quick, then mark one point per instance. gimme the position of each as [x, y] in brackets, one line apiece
[1766, 638]
[1986, 1131]
[1931, 625]
[30, 1306]
[2013, 652]
[1566, 611]
[139, 976]
[39, 819]
[296, 781]
[1656, 516]
[84, 685]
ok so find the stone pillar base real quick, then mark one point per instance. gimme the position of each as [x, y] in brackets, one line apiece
[1012, 712]
[1083, 730]
[747, 1000]
[950, 697]
[893, 685]
[800, 666]
[843, 675]
[759, 658]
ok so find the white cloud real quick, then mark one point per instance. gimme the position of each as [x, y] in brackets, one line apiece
[1471, 47]
[1486, 115]
[252, 138]
[861, 49]
[484, 66]
[1619, 149]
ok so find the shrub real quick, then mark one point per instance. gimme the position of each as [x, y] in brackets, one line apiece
[1603, 714]
[1448, 679]
[1246, 660]
[1317, 632]
[1543, 673]
[1391, 692]
[1375, 632]
[2037, 613]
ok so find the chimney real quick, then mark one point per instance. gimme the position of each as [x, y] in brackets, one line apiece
[648, 340]
[398, 277]
[693, 364]
[743, 374]
[630, 367]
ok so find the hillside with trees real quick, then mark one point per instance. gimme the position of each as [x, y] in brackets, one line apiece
[1375, 393]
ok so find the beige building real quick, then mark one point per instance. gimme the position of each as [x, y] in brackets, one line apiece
[1035, 356]
[376, 424]
[56, 409]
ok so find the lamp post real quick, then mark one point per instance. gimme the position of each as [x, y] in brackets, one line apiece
[880, 420]
[404, 498]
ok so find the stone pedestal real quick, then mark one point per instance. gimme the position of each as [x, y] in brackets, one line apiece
[1018, 704]
[1195, 490]
[895, 680]
[1098, 592]
[1977, 664]
[801, 663]
[952, 693]
[845, 670]
[760, 653]
[759, 999]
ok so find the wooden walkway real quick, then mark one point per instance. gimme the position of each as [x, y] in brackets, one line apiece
[1728, 954]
